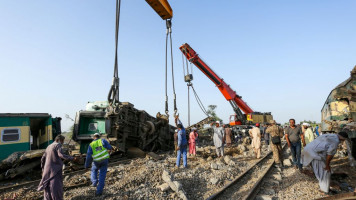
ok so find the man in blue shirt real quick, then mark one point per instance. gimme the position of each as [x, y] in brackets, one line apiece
[98, 153]
[317, 130]
[182, 143]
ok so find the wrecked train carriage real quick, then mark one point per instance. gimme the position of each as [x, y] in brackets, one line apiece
[26, 131]
[127, 127]
[339, 110]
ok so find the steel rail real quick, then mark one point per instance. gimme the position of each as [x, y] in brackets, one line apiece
[251, 194]
[350, 195]
[36, 182]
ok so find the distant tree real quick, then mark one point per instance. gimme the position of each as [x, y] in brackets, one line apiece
[211, 112]
[68, 134]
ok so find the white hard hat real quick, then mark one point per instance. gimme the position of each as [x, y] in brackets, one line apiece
[194, 129]
[218, 122]
[96, 134]
[305, 124]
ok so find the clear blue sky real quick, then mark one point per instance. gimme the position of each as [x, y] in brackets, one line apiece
[280, 56]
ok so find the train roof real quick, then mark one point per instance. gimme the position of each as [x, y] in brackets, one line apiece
[342, 84]
[25, 115]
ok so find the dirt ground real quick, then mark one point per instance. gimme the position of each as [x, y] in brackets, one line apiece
[141, 178]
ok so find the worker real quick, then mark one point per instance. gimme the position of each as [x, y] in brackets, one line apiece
[308, 134]
[319, 154]
[266, 136]
[52, 165]
[255, 134]
[275, 132]
[293, 136]
[175, 141]
[192, 141]
[218, 138]
[228, 135]
[181, 144]
[317, 130]
[98, 153]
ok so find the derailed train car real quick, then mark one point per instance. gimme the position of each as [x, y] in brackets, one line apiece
[339, 110]
[127, 127]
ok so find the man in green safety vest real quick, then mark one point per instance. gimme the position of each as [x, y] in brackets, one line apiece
[98, 153]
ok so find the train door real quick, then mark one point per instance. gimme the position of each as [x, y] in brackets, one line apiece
[38, 130]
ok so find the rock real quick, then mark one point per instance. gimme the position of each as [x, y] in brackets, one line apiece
[269, 191]
[263, 197]
[134, 152]
[209, 158]
[214, 166]
[66, 178]
[242, 148]
[182, 195]
[166, 176]
[178, 185]
[278, 177]
[214, 181]
[245, 153]
[227, 159]
[154, 156]
[287, 162]
[172, 160]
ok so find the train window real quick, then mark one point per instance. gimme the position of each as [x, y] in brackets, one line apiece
[93, 127]
[10, 135]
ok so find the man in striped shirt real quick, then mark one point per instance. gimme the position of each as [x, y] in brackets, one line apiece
[98, 153]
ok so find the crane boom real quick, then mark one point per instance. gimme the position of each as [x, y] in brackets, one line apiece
[162, 8]
[230, 95]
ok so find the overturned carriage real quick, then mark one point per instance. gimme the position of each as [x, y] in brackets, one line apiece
[339, 111]
[123, 127]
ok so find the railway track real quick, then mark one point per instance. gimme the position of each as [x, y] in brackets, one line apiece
[247, 184]
[36, 182]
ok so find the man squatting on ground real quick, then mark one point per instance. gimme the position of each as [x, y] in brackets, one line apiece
[52, 165]
[182, 143]
[219, 134]
[319, 154]
[294, 136]
[99, 153]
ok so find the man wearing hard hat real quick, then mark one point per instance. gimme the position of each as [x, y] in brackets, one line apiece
[98, 152]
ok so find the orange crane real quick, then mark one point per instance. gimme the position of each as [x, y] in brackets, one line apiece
[230, 95]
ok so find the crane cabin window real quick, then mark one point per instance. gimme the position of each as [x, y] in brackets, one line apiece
[10, 135]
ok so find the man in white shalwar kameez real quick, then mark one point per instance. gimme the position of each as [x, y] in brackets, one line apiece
[218, 137]
[319, 154]
[255, 133]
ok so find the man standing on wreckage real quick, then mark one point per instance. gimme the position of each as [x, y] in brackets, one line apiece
[319, 154]
[99, 153]
[52, 165]
[182, 143]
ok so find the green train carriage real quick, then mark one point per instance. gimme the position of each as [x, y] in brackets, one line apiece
[26, 131]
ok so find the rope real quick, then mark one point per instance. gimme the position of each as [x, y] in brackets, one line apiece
[174, 89]
[113, 96]
[200, 103]
[188, 105]
[166, 68]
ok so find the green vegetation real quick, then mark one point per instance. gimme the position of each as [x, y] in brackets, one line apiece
[211, 112]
